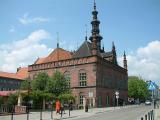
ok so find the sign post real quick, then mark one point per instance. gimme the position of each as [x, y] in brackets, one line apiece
[117, 97]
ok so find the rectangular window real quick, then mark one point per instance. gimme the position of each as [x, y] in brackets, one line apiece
[107, 101]
[99, 101]
[82, 79]
[81, 99]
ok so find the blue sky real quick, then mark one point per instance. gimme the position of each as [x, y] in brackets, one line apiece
[134, 26]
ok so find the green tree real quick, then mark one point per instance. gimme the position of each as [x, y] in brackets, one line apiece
[25, 84]
[1, 100]
[39, 89]
[58, 84]
[65, 97]
[137, 88]
[12, 100]
[40, 82]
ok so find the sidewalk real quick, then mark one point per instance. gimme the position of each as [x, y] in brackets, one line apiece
[157, 114]
[73, 114]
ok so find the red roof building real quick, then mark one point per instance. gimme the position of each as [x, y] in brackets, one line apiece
[94, 74]
[12, 81]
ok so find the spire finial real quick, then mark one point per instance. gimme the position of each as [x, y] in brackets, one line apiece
[86, 32]
[124, 55]
[94, 4]
[113, 46]
[57, 40]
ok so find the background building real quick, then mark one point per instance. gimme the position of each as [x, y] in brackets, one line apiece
[12, 81]
[94, 74]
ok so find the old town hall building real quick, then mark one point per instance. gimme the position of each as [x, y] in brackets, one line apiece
[94, 74]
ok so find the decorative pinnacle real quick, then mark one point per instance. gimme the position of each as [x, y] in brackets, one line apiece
[124, 55]
[86, 32]
[94, 4]
[57, 40]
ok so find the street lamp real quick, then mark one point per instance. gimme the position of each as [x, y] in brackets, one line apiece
[28, 99]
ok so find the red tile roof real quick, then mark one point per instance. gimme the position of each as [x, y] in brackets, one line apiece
[20, 75]
[57, 54]
[22, 72]
[39, 60]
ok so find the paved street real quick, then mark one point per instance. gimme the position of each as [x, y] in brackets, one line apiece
[111, 113]
[131, 113]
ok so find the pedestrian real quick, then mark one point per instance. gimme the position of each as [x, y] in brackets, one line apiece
[58, 106]
[70, 105]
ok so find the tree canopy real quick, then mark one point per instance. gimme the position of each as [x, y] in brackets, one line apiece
[137, 88]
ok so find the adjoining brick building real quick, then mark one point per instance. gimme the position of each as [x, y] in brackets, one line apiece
[12, 81]
[94, 74]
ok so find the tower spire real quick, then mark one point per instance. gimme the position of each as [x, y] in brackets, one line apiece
[57, 40]
[114, 59]
[95, 37]
[94, 4]
[86, 32]
[124, 61]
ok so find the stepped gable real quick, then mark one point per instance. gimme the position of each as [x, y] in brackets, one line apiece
[84, 50]
[56, 55]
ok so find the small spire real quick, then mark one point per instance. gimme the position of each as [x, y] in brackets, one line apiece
[124, 55]
[103, 47]
[57, 40]
[113, 46]
[86, 32]
[94, 4]
[124, 61]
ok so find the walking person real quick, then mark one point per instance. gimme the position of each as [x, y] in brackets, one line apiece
[58, 106]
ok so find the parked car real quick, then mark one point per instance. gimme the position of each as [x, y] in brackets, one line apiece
[147, 102]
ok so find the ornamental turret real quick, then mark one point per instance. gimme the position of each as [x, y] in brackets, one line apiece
[95, 37]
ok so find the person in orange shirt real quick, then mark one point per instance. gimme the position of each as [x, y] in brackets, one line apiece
[58, 106]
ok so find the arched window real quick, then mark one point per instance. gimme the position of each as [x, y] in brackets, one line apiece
[67, 77]
[82, 78]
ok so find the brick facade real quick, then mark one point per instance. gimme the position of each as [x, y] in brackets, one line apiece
[100, 70]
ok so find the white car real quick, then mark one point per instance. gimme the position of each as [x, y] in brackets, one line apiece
[147, 102]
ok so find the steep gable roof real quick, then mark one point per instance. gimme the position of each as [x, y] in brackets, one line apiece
[40, 60]
[58, 54]
[22, 73]
[83, 51]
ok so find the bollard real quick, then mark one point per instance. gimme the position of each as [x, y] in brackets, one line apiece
[153, 114]
[61, 112]
[41, 114]
[141, 118]
[51, 112]
[145, 117]
[149, 116]
[69, 112]
[12, 116]
[27, 113]
[12, 110]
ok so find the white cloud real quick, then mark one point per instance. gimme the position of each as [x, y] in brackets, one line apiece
[23, 52]
[145, 62]
[26, 19]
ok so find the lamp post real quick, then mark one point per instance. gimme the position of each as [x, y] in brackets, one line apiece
[28, 99]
